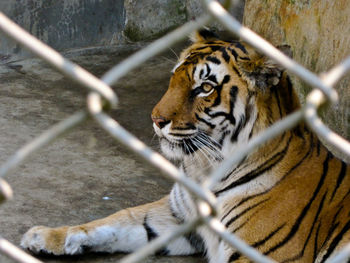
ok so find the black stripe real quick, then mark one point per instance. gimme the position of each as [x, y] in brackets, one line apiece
[243, 201]
[340, 179]
[275, 159]
[196, 241]
[239, 127]
[195, 92]
[233, 52]
[237, 72]
[245, 58]
[176, 215]
[201, 73]
[336, 241]
[251, 132]
[303, 213]
[189, 126]
[179, 207]
[278, 144]
[213, 79]
[194, 57]
[311, 147]
[293, 168]
[246, 221]
[226, 79]
[241, 47]
[215, 48]
[333, 226]
[213, 45]
[208, 70]
[316, 241]
[193, 71]
[255, 173]
[278, 100]
[268, 237]
[315, 221]
[233, 96]
[217, 101]
[188, 76]
[233, 219]
[290, 87]
[234, 257]
[345, 196]
[227, 116]
[201, 48]
[318, 147]
[182, 198]
[214, 60]
[225, 56]
[223, 135]
[243, 224]
[205, 121]
[151, 234]
[301, 253]
[249, 107]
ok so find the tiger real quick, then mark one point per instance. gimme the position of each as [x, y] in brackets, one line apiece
[289, 199]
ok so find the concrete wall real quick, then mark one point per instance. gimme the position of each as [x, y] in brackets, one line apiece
[147, 20]
[67, 24]
[319, 33]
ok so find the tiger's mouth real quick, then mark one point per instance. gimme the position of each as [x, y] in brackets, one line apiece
[177, 146]
[186, 144]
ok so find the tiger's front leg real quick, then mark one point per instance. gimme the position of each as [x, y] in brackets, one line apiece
[124, 231]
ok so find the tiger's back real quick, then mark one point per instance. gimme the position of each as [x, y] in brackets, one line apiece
[304, 217]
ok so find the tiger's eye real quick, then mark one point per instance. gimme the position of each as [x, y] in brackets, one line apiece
[207, 87]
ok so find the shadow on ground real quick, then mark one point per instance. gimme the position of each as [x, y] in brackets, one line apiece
[85, 174]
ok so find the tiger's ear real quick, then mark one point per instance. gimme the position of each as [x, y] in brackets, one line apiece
[262, 71]
[203, 35]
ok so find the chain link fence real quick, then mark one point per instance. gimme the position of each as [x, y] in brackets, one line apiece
[102, 97]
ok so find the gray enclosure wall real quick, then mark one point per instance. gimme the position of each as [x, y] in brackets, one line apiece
[67, 24]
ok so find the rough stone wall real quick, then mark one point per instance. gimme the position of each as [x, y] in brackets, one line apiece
[150, 19]
[318, 32]
[67, 24]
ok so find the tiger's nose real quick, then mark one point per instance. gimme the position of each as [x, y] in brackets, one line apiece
[160, 121]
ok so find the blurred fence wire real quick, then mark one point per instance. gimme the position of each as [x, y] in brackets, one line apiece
[101, 97]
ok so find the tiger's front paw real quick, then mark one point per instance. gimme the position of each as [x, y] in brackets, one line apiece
[41, 239]
[57, 241]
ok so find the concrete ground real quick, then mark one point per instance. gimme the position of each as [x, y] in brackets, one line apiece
[68, 181]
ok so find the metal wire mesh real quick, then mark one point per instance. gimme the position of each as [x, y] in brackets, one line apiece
[102, 97]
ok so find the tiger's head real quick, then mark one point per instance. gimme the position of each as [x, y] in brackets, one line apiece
[220, 94]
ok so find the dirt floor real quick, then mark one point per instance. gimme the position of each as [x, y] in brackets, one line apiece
[85, 174]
